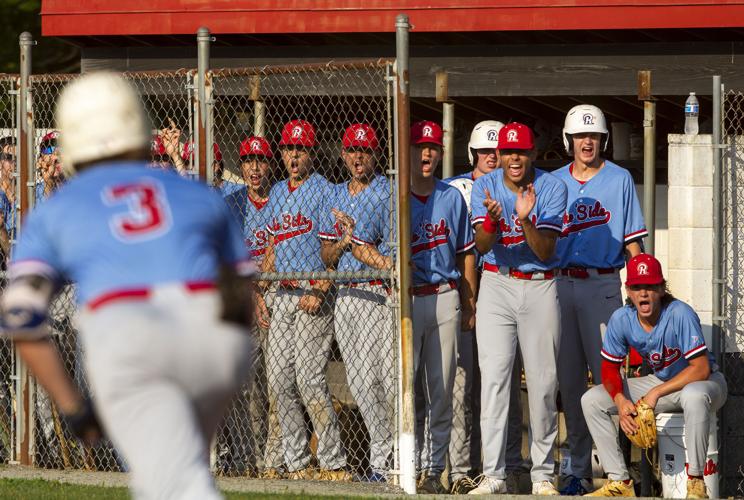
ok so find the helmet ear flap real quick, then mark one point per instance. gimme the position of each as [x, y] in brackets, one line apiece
[472, 155]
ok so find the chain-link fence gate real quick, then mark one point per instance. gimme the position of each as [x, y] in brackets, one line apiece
[324, 399]
[732, 255]
[324, 393]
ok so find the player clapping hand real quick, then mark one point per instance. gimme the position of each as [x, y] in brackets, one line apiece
[493, 207]
[526, 199]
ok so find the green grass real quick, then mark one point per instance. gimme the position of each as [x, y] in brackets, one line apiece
[39, 489]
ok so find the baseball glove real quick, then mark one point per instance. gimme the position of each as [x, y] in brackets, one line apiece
[645, 436]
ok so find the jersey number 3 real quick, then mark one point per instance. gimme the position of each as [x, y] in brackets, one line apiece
[148, 214]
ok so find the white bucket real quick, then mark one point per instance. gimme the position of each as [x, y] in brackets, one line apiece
[670, 429]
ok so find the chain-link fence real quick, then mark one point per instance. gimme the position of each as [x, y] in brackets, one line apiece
[732, 255]
[303, 155]
[9, 212]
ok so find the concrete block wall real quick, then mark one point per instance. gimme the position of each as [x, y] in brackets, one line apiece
[689, 266]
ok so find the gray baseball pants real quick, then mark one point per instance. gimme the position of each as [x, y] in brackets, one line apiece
[364, 332]
[436, 324]
[526, 312]
[299, 350]
[696, 400]
[163, 370]
[586, 307]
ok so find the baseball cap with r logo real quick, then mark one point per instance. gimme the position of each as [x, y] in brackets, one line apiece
[516, 136]
[644, 269]
[426, 132]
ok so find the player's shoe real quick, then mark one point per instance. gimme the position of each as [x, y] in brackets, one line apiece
[512, 482]
[544, 488]
[305, 474]
[272, 473]
[334, 475]
[374, 477]
[430, 484]
[573, 486]
[489, 486]
[614, 489]
[696, 488]
[462, 486]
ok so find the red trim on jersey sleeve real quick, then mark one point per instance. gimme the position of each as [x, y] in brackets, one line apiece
[549, 225]
[612, 359]
[467, 247]
[478, 220]
[696, 351]
[360, 241]
[636, 235]
[611, 379]
[327, 236]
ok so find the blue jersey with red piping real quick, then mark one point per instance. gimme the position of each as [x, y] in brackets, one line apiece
[368, 208]
[253, 216]
[602, 216]
[127, 226]
[676, 338]
[511, 248]
[295, 217]
[440, 230]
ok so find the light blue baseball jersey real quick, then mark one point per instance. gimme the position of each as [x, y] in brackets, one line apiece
[511, 248]
[295, 218]
[227, 188]
[253, 217]
[602, 216]
[127, 226]
[8, 212]
[367, 208]
[440, 230]
[676, 338]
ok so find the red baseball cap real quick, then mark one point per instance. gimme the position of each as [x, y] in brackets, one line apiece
[426, 132]
[298, 133]
[360, 135]
[49, 142]
[644, 269]
[516, 136]
[257, 146]
[157, 148]
[188, 150]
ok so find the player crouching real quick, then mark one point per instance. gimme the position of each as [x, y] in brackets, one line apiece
[667, 332]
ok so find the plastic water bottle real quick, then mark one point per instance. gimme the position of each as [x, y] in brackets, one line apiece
[692, 110]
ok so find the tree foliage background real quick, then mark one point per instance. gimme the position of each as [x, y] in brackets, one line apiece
[50, 55]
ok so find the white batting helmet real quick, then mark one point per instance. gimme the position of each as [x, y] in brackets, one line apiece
[100, 115]
[582, 119]
[484, 135]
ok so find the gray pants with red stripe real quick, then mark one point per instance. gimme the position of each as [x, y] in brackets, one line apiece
[526, 312]
[586, 307]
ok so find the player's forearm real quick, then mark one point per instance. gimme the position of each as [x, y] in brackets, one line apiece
[331, 251]
[469, 278]
[371, 256]
[541, 242]
[43, 359]
[695, 372]
[632, 249]
[484, 241]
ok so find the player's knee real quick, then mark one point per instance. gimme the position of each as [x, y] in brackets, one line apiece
[694, 401]
[591, 399]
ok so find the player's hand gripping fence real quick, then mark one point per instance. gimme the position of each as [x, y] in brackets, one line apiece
[325, 383]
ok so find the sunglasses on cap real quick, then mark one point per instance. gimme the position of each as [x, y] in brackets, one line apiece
[50, 149]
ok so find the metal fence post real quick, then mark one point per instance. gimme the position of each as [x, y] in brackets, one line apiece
[204, 151]
[448, 124]
[25, 140]
[718, 281]
[407, 416]
[649, 158]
